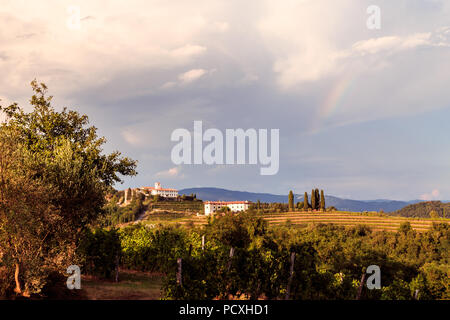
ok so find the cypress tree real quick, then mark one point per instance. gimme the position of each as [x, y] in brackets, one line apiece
[322, 200]
[291, 201]
[305, 201]
[317, 199]
[313, 199]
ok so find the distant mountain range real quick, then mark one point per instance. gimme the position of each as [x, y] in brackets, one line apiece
[339, 203]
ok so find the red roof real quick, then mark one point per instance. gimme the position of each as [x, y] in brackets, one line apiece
[227, 202]
[162, 189]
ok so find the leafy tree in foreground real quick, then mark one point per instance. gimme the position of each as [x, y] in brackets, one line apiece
[57, 159]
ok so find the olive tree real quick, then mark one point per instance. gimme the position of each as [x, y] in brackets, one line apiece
[54, 180]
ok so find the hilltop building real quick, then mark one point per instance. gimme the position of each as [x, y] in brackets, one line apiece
[162, 192]
[235, 206]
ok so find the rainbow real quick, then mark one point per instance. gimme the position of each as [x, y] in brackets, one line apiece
[332, 100]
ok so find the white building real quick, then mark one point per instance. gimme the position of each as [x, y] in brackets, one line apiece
[162, 192]
[235, 206]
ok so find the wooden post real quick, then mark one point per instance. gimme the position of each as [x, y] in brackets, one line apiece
[363, 278]
[229, 260]
[228, 270]
[203, 242]
[179, 272]
[291, 275]
[116, 278]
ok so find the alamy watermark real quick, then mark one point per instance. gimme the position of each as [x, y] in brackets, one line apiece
[74, 280]
[374, 281]
[190, 149]
[74, 20]
[374, 20]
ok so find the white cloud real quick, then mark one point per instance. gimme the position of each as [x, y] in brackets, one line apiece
[131, 137]
[434, 195]
[192, 75]
[170, 173]
[311, 41]
[117, 38]
[394, 44]
[186, 78]
[142, 65]
[188, 51]
[312, 65]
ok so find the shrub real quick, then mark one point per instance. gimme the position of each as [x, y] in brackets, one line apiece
[101, 251]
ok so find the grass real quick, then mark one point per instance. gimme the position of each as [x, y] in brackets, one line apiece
[132, 285]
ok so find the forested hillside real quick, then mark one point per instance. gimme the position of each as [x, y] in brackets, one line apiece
[427, 209]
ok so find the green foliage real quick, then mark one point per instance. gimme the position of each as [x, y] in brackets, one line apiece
[305, 201]
[329, 262]
[187, 206]
[436, 276]
[148, 249]
[317, 199]
[322, 201]
[405, 227]
[291, 201]
[64, 175]
[434, 214]
[115, 214]
[313, 200]
[423, 210]
[101, 251]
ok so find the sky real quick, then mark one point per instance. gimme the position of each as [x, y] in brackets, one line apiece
[362, 113]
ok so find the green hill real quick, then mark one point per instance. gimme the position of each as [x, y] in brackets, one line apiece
[423, 210]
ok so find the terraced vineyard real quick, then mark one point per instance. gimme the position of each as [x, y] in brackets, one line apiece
[377, 223]
[348, 219]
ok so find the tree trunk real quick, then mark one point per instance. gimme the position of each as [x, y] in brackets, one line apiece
[291, 274]
[17, 289]
[116, 278]
[361, 285]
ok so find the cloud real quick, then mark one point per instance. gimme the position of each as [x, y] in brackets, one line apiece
[434, 195]
[311, 65]
[187, 78]
[192, 75]
[131, 137]
[188, 50]
[143, 68]
[122, 39]
[395, 44]
[174, 172]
